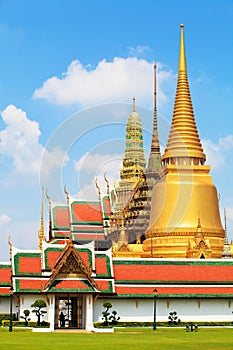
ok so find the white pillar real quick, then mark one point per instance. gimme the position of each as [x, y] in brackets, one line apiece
[51, 310]
[89, 313]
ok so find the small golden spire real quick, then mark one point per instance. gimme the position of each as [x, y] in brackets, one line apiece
[155, 137]
[41, 231]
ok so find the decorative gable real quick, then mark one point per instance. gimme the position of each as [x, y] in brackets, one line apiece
[70, 265]
[73, 266]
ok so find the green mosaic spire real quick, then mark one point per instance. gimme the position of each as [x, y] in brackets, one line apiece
[133, 161]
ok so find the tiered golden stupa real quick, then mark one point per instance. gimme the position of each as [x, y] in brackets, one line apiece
[184, 220]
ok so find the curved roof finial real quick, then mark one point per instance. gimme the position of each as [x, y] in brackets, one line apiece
[67, 194]
[107, 182]
[98, 188]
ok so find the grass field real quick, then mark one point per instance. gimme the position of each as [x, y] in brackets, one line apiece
[122, 339]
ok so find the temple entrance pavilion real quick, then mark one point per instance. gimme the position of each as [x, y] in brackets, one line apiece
[73, 309]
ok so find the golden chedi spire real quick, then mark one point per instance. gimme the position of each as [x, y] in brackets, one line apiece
[185, 191]
[183, 139]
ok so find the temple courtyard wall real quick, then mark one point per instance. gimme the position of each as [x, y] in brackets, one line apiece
[188, 309]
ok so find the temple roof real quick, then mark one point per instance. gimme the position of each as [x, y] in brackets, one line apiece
[172, 271]
[5, 279]
[5, 274]
[174, 291]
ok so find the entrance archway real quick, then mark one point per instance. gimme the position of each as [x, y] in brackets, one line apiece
[69, 312]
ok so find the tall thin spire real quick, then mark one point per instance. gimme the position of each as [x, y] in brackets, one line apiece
[41, 231]
[183, 139]
[134, 105]
[155, 156]
[182, 61]
[226, 248]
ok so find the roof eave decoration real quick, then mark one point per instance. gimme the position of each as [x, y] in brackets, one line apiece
[79, 266]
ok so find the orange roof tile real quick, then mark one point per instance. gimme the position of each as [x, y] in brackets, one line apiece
[71, 285]
[86, 212]
[104, 285]
[101, 265]
[5, 275]
[52, 256]
[61, 216]
[4, 291]
[172, 272]
[175, 291]
[30, 284]
[29, 264]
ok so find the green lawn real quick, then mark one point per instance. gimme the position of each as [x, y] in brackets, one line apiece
[122, 339]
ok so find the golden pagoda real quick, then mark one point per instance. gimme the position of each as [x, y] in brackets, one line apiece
[185, 220]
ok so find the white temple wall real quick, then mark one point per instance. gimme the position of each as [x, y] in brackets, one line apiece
[142, 310]
[26, 300]
[5, 305]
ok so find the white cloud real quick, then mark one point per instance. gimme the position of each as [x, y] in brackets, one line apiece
[93, 167]
[4, 219]
[88, 192]
[99, 163]
[55, 159]
[19, 142]
[118, 80]
[226, 143]
[139, 50]
[216, 151]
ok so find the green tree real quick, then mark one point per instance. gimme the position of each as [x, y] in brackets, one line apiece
[173, 318]
[114, 318]
[105, 313]
[38, 305]
[25, 317]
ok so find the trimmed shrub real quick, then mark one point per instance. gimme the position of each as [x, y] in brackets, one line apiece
[43, 324]
[7, 317]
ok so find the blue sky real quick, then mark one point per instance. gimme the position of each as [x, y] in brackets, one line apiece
[68, 71]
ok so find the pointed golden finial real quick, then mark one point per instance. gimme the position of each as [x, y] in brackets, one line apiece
[134, 104]
[41, 231]
[182, 61]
